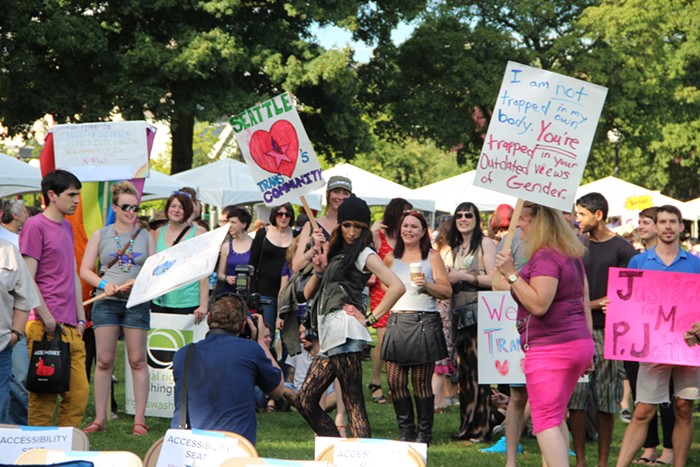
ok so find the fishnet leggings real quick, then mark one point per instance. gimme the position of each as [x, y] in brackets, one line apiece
[347, 368]
[421, 378]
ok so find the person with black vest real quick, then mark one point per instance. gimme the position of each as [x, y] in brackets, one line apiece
[340, 275]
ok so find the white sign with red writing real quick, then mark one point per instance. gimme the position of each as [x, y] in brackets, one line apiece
[540, 135]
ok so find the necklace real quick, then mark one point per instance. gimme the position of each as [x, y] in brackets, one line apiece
[129, 253]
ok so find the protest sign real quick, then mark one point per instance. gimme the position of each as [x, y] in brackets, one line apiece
[277, 150]
[97, 152]
[539, 137]
[648, 314]
[16, 440]
[182, 448]
[498, 341]
[168, 334]
[176, 266]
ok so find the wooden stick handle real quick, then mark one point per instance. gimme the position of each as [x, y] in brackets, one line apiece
[100, 297]
[309, 213]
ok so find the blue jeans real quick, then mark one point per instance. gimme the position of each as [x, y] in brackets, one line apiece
[19, 396]
[5, 376]
[269, 306]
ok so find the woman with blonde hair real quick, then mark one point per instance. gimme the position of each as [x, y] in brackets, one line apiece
[554, 316]
[122, 249]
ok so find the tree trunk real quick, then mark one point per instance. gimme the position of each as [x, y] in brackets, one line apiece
[182, 129]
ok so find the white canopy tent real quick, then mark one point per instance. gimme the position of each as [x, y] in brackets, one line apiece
[375, 190]
[17, 177]
[222, 183]
[159, 186]
[449, 193]
[692, 208]
[624, 197]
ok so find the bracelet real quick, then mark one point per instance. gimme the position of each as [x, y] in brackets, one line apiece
[103, 284]
[372, 319]
[319, 274]
[83, 322]
[368, 323]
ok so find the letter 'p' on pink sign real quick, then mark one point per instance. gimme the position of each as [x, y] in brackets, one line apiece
[648, 314]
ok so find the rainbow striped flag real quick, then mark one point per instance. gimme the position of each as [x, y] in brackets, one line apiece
[95, 208]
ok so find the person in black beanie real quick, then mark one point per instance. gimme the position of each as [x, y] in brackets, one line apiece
[340, 275]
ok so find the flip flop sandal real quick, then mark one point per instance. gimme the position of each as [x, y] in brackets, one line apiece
[140, 429]
[94, 427]
[377, 399]
[643, 460]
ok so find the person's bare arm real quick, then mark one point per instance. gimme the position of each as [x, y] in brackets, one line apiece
[41, 311]
[394, 287]
[300, 261]
[441, 287]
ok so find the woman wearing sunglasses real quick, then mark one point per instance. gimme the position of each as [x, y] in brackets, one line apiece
[267, 255]
[471, 267]
[121, 249]
[414, 339]
[341, 273]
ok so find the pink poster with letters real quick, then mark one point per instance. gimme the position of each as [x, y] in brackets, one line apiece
[648, 314]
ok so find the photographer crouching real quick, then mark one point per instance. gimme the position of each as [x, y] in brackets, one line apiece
[224, 370]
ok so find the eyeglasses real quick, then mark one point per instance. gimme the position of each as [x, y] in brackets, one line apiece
[283, 214]
[464, 215]
[349, 225]
[129, 207]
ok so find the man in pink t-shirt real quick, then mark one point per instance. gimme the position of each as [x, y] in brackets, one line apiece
[46, 243]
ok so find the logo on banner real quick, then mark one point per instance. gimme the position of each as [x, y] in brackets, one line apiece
[276, 151]
[162, 345]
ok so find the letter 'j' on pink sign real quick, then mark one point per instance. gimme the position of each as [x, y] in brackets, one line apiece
[648, 314]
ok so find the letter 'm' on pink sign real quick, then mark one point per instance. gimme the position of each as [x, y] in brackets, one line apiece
[648, 314]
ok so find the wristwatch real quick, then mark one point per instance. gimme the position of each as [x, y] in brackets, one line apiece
[512, 278]
[19, 335]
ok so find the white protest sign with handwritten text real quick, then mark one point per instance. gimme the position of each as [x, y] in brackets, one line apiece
[277, 150]
[97, 152]
[181, 264]
[540, 135]
[500, 356]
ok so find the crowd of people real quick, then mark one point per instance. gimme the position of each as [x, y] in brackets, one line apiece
[328, 282]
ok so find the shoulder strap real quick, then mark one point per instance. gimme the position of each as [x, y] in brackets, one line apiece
[123, 250]
[182, 234]
[183, 397]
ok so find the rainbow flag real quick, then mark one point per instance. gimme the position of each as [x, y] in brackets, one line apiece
[95, 209]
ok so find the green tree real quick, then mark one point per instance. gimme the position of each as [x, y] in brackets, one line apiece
[648, 55]
[180, 60]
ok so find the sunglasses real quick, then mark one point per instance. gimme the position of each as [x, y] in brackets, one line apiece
[129, 207]
[182, 193]
[464, 215]
[284, 214]
[348, 225]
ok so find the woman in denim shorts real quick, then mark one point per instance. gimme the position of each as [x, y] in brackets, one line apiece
[121, 249]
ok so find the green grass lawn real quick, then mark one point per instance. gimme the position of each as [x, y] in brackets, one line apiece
[286, 434]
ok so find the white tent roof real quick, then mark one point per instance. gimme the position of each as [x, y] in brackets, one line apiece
[159, 186]
[222, 183]
[449, 193]
[692, 208]
[375, 190]
[620, 193]
[17, 177]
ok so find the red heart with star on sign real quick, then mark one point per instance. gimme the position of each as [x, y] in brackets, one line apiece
[276, 151]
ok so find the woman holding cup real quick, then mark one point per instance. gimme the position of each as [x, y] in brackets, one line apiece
[414, 340]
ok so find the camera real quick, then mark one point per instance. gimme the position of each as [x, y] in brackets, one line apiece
[243, 275]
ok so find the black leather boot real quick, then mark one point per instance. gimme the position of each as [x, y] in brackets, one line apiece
[405, 419]
[425, 406]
